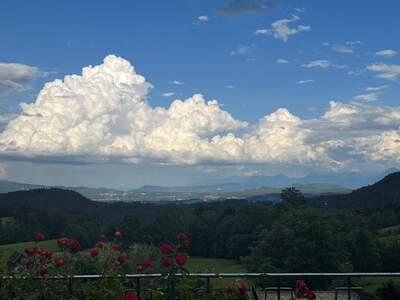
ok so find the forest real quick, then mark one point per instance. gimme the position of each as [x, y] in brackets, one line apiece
[296, 234]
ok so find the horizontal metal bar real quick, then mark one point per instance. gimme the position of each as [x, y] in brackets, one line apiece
[218, 275]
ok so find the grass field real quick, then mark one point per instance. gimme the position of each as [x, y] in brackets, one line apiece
[214, 265]
[7, 250]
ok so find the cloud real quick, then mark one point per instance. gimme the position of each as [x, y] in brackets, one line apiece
[356, 72]
[16, 77]
[322, 63]
[280, 29]
[177, 82]
[370, 97]
[353, 43]
[384, 71]
[386, 53]
[168, 94]
[342, 49]
[103, 115]
[376, 88]
[229, 86]
[304, 81]
[262, 31]
[237, 7]
[242, 50]
[201, 20]
[6, 116]
[282, 61]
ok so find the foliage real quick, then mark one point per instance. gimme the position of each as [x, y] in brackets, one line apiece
[40, 274]
[389, 291]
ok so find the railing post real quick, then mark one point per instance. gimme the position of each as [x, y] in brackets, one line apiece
[278, 285]
[173, 290]
[208, 284]
[138, 287]
[348, 288]
[70, 284]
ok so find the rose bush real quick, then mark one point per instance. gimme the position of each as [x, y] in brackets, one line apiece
[35, 272]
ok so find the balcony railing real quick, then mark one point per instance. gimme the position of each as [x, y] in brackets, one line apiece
[277, 277]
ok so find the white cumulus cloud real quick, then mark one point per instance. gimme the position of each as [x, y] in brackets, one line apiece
[104, 115]
[16, 77]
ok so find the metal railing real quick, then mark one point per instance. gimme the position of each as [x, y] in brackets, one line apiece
[138, 278]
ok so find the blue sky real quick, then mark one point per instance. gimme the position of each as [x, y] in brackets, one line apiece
[333, 52]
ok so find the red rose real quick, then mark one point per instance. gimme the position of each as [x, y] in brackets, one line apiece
[148, 262]
[242, 288]
[182, 236]
[94, 252]
[39, 237]
[48, 254]
[115, 246]
[167, 261]
[62, 242]
[44, 271]
[74, 246]
[118, 234]
[29, 251]
[40, 250]
[186, 244]
[130, 296]
[59, 261]
[166, 248]
[310, 294]
[122, 258]
[181, 259]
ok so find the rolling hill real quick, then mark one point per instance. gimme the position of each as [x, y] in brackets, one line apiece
[383, 193]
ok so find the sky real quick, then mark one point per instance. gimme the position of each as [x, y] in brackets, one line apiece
[126, 93]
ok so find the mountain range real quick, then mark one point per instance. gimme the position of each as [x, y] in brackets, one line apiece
[234, 187]
[384, 193]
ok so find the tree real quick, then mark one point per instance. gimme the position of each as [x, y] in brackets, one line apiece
[292, 197]
[302, 240]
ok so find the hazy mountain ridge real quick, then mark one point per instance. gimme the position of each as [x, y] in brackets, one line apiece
[165, 194]
[232, 187]
[385, 192]
[349, 180]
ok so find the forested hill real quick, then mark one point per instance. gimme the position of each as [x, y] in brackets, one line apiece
[385, 192]
[48, 200]
[65, 202]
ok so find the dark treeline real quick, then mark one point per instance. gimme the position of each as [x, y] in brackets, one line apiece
[293, 235]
